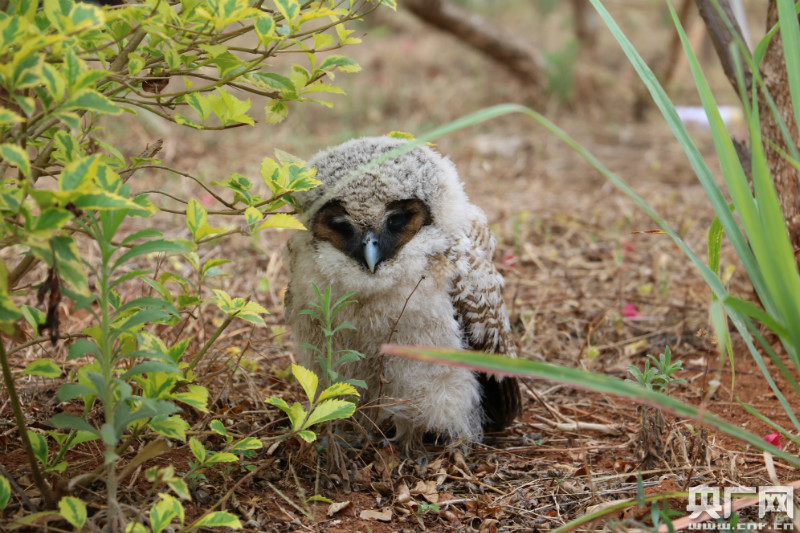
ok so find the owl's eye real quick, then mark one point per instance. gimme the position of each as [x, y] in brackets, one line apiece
[398, 220]
[341, 226]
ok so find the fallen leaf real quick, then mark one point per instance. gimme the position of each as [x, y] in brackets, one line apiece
[403, 494]
[426, 489]
[384, 515]
[337, 507]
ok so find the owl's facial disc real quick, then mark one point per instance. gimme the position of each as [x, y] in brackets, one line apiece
[370, 246]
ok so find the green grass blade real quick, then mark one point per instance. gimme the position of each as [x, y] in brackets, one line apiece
[790, 34]
[664, 104]
[582, 379]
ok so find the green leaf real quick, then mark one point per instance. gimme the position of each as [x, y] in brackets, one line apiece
[49, 221]
[196, 397]
[221, 457]
[219, 519]
[282, 220]
[65, 420]
[16, 156]
[70, 391]
[330, 410]
[217, 427]
[149, 367]
[70, 266]
[345, 64]
[337, 389]
[275, 111]
[247, 443]
[180, 488]
[307, 379]
[230, 109]
[290, 9]
[198, 450]
[39, 445]
[251, 312]
[252, 215]
[197, 221]
[264, 25]
[272, 81]
[8, 116]
[173, 427]
[164, 511]
[27, 68]
[73, 510]
[43, 367]
[91, 100]
[307, 435]
[5, 492]
[82, 347]
[135, 63]
[149, 247]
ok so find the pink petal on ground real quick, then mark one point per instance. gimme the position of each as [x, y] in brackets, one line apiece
[774, 438]
[630, 311]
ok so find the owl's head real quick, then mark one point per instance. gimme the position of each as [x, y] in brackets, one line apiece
[370, 217]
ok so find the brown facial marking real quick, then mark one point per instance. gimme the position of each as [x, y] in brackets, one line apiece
[405, 218]
[333, 224]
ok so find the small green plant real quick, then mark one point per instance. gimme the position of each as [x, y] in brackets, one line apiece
[329, 359]
[65, 189]
[326, 407]
[205, 459]
[659, 377]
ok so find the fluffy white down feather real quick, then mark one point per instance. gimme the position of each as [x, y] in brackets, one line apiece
[446, 260]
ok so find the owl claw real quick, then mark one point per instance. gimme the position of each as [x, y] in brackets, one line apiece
[372, 254]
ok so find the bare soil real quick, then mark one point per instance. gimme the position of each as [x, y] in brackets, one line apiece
[574, 251]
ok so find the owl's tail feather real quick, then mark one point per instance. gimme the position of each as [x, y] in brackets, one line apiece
[500, 400]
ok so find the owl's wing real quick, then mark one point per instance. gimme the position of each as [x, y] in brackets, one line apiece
[477, 294]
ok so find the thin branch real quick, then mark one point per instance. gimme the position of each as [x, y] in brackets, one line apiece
[19, 417]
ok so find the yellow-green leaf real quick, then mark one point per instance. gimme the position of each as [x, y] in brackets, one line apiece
[338, 389]
[173, 427]
[9, 117]
[5, 492]
[16, 156]
[43, 367]
[197, 397]
[330, 410]
[307, 435]
[219, 519]
[275, 111]
[307, 379]
[73, 510]
[282, 220]
[252, 215]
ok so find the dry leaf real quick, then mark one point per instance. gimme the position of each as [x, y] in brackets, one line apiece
[384, 515]
[426, 489]
[337, 507]
[403, 494]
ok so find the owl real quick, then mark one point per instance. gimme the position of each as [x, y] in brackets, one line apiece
[418, 255]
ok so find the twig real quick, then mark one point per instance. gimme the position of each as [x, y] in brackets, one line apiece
[38, 478]
[403, 310]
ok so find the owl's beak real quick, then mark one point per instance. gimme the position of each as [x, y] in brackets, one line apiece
[372, 254]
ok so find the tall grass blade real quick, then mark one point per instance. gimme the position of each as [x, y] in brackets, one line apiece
[581, 379]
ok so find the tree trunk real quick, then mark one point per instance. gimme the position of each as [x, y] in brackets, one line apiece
[785, 176]
[773, 72]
